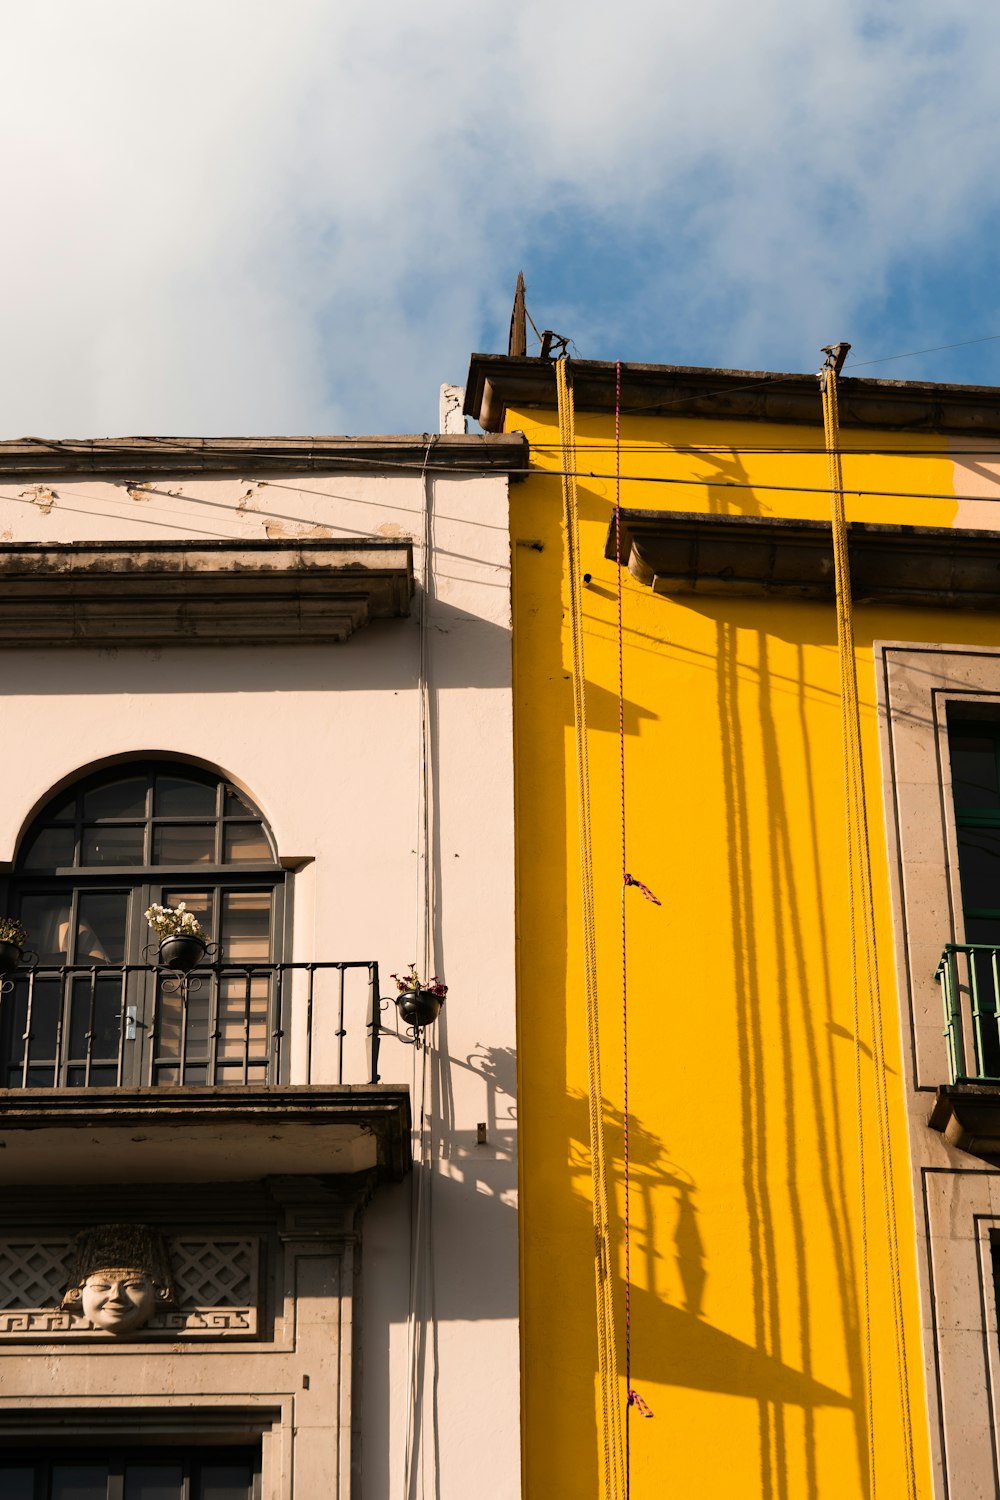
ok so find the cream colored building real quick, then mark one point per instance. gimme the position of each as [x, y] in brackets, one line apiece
[272, 679]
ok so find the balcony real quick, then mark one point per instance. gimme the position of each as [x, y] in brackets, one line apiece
[967, 1108]
[130, 1072]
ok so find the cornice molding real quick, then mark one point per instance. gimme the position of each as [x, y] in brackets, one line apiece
[136, 457]
[199, 593]
[496, 382]
[677, 552]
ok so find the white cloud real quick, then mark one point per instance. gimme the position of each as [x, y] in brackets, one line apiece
[225, 215]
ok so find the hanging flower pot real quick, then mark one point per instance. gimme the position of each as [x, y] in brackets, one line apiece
[419, 1007]
[10, 957]
[12, 940]
[419, 1003]
[184, 953]
[183, 944]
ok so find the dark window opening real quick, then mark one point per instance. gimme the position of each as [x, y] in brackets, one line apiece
[94, 1012]
[130, 1474]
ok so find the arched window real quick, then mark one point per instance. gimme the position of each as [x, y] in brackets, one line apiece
[94, 1012]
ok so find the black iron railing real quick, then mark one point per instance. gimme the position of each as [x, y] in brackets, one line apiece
[133, 1025]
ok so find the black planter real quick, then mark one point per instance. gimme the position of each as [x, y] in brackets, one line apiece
[419, 1007]
[184, 953]
[10, 957]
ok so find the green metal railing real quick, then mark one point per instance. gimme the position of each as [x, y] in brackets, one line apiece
[969, 976]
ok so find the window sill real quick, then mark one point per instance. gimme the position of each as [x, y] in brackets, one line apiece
[968, 1116]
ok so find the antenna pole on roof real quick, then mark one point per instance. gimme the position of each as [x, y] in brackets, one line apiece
[518, 343]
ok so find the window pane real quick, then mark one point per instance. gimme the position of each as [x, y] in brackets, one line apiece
[243, 1016]
[974, 769]
[17, 1483]
[244, 842]
[95, 1018]
[198, 903]
[101, 927]
[122, 799]
[235, 805]
[112, 845]
[184, 844]
[51, 849]
[246, 926]
[225, 1482]
[176, 797]
[43, 1003]
[46, 916]
[154, 1481]
[79, 1481]
[983, 930]
[979, 864]
[47, 921]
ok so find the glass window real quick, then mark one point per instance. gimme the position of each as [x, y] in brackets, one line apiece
[184, 844]
[101, 927]
[46, 915]
[178, 797]
[974, 769]
[117, 799]
[162, 815]
[75, 1481]
[244, 842]
[123, 841]
[225, 1481]
[51, 849]
[979, 863]
[246, 926]
[113, 844]
[17, 1483]
[155, 1481]
[130, 1474]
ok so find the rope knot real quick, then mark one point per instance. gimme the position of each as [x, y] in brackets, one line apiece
[631, 880]
[634, 1399]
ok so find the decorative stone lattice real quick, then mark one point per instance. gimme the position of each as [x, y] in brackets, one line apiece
[215, 1278]
[214, 1273]
[33, 1273]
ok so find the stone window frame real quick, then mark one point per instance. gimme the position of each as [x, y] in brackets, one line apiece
[920, 688]
[916, 703]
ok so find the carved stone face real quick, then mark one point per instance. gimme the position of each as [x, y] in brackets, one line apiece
[118, 1298]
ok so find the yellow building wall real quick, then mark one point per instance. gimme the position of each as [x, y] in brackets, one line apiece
[748, 1338]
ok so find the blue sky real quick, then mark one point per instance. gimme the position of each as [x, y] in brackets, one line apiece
[239, 217]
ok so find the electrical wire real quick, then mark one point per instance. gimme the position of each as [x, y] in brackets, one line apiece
[740, 484]
[771, 449]
[989, 338]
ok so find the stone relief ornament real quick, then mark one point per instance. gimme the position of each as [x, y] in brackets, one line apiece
[120, 1277]
[53, 1288]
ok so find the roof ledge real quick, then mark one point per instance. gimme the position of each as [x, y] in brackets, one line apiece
[496, 382]
[680, 552]
[470, 453]
[189, 593]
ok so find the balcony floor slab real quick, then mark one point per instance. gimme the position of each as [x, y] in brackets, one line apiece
[230, 1134]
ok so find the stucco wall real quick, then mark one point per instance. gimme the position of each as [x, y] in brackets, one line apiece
[325, 739]
[748, 1332]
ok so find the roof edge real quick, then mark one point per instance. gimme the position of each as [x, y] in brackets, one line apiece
[472, 453]
[497, 381]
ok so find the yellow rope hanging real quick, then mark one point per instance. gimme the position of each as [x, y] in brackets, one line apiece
[611, 1427]
[862, 931]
